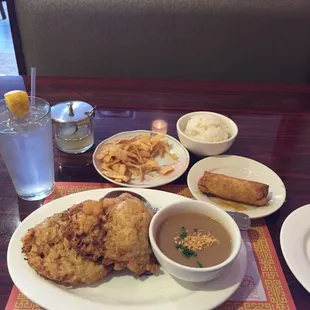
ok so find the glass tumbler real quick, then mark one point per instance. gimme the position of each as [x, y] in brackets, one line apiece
[26, 145]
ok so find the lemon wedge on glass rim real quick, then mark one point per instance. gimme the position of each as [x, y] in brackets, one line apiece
[17, 102]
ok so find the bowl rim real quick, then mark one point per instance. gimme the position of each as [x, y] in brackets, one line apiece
[234, 253]
[233, 136]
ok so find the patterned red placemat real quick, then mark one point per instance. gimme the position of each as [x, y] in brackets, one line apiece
[263, 287]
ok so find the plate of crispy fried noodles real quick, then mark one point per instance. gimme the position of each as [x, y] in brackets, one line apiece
[141, 159]
[84, 251]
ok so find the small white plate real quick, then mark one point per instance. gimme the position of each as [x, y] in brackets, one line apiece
[120, 291]
[153, 179]
[295, 244]
[243, 168]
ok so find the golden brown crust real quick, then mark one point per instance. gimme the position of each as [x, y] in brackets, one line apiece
[248, 192]
[127, 240]
[84, 243]
[85, 230]
[50, 254]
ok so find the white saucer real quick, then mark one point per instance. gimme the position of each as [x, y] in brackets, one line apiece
[243, 168]
[120, 291]
[295, 244]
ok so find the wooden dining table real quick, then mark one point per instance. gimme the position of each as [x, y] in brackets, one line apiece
[273, 122]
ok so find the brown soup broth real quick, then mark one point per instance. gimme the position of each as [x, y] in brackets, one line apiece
[211, 255]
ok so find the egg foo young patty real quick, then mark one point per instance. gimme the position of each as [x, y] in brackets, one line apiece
[85, 230]
[127, 241]
[84, 243]
[50, 254]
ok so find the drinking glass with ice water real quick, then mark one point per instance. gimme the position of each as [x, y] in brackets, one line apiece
[26, 145]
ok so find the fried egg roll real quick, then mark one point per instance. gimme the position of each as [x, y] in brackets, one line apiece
[223, 186]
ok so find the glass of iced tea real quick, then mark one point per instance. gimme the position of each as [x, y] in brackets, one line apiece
[26, 145]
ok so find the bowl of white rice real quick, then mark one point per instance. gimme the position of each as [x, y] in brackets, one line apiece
[206, 133]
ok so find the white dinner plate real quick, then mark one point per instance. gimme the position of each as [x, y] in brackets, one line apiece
[120, 291]
[243, 168]
[153, 179]
[295, 244]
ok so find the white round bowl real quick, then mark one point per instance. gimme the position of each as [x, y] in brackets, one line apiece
[202, 148]
[192, 274]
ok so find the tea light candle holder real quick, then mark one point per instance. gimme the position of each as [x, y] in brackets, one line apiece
[160, 126]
